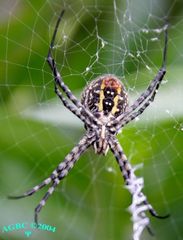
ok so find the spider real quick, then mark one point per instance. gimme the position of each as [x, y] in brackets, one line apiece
[104, 110]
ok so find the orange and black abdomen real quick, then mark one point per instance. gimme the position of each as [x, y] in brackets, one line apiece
[105, 95]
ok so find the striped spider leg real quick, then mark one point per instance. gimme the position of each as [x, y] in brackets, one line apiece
[86, 115]
[146, 98]
[59, 173]
[132, 181]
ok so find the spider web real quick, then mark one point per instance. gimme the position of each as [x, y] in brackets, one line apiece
[124, 38]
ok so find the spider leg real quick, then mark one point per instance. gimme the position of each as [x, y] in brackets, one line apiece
[58, 79]
[154, 85]
[129, 177]
[33, 190]
[89, 118]
[154, 214]
[121, 158]
[73, 109]
[63, 169]
[133, 115]
[59, 173]
[146, 97]
[44, 199]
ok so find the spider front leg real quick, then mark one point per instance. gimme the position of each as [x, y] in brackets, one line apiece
[88, 117]
[59, 173]
[133, 115]
[73, 109]
[139, 203]
[81, 113]
[58, 79]
[144, 100]
[154, 85]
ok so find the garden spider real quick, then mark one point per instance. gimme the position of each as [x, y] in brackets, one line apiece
[104, 111]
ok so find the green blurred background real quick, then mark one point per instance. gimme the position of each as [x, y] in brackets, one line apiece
[95, 37]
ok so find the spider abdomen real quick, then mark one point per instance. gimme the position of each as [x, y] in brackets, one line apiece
[105, 97]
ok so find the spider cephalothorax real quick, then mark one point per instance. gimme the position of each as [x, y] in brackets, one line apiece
[104, 111]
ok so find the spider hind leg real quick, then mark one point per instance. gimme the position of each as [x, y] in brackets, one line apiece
[154, 214]
[33, 190]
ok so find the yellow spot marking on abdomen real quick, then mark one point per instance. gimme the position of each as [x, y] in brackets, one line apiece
[115, 109]
[101, 97]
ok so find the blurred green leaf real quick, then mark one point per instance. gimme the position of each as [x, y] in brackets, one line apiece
[36, 134]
